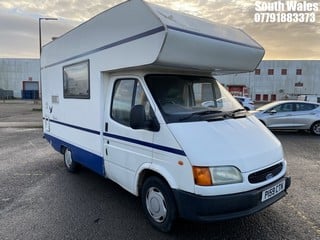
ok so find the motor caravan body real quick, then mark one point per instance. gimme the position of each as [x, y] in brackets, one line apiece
[130, 94]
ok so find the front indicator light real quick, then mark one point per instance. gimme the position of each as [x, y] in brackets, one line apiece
[202, 176]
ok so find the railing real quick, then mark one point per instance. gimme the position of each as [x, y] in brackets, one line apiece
[6, 94]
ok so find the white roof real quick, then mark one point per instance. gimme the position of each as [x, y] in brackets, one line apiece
[135, 33]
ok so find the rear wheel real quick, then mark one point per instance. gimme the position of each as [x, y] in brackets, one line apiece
[315, 128]
[71, 165]
[158, 203]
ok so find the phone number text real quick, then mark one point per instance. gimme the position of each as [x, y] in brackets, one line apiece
[283, 17]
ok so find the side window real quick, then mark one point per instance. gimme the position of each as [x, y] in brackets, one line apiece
[76, 82]
[202, 92]
[126, 94]
[305, 106]
[286, 107]
[141, 99]
[122, 100]
[205, 93]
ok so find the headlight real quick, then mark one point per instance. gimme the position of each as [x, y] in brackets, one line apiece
[225, 175]
[209, 176]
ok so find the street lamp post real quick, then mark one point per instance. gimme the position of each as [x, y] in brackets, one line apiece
[40, 49]
[40, 43]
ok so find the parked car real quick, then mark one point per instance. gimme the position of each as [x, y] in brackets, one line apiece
[297, 115]
[246, 102]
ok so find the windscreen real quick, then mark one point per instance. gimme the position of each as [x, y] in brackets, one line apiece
[191, 98]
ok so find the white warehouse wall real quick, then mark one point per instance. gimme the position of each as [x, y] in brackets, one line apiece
[13, 71]
[282, 86]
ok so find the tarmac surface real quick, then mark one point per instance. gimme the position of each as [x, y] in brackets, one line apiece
[20, 114]
[39, 199]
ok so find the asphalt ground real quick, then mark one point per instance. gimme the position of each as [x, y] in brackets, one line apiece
[39, 199]
[18, 113]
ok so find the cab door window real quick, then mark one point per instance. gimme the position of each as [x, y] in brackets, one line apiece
[126, 94]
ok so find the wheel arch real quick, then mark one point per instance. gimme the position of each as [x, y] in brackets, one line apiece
[150, 170]
[63, 148]
[313, 125]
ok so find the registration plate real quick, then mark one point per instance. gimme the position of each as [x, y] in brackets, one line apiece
[273, 191]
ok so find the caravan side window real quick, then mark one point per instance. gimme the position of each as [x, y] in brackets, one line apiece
[76, 83]
[126, 94]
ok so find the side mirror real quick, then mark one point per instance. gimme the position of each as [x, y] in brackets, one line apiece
[273, 111]
[138, 119]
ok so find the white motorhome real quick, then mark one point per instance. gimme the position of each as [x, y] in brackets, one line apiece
[130, 94]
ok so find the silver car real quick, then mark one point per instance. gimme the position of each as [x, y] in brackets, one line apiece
[246, 102]
[297, 115]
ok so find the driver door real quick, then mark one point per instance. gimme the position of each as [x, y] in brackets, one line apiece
[125, 149]
[281, 116]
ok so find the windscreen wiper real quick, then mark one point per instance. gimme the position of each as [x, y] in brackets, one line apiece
[238, 113]
[199, 114]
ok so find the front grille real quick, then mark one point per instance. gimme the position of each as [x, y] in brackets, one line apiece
[265, 174]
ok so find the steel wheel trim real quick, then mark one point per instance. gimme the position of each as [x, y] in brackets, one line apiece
[316, 128]
[156, 204]
[68, 159]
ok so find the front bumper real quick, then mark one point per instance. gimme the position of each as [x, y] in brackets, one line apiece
[216, 208]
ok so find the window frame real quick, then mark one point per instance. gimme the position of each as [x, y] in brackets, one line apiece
[132, 99]
[299, 71]
[115, 84]
[77, 96]
[258, 97]
[310, 108]
[270, 71]
[284, 71]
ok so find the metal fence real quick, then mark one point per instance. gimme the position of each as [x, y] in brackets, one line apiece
[6, 94]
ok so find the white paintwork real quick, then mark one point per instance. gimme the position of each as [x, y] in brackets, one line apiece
[206, 46]
[197, 47]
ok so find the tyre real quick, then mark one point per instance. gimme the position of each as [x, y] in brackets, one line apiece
[158, 203]
[71, 165]
[315, 128]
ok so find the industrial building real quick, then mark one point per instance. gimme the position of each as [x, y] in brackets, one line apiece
[276, 80]
[272, 79]
[19, 78]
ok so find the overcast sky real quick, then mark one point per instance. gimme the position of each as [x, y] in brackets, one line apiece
[19, 24]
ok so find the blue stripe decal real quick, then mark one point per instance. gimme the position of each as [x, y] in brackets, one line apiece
[146, 144]
[131, 140]
[212, 37]
[84, 157]
[76, 127]
[123, 41]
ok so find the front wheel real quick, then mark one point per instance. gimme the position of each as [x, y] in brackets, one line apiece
[71, 165]
[158, 203]
[315, 128]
